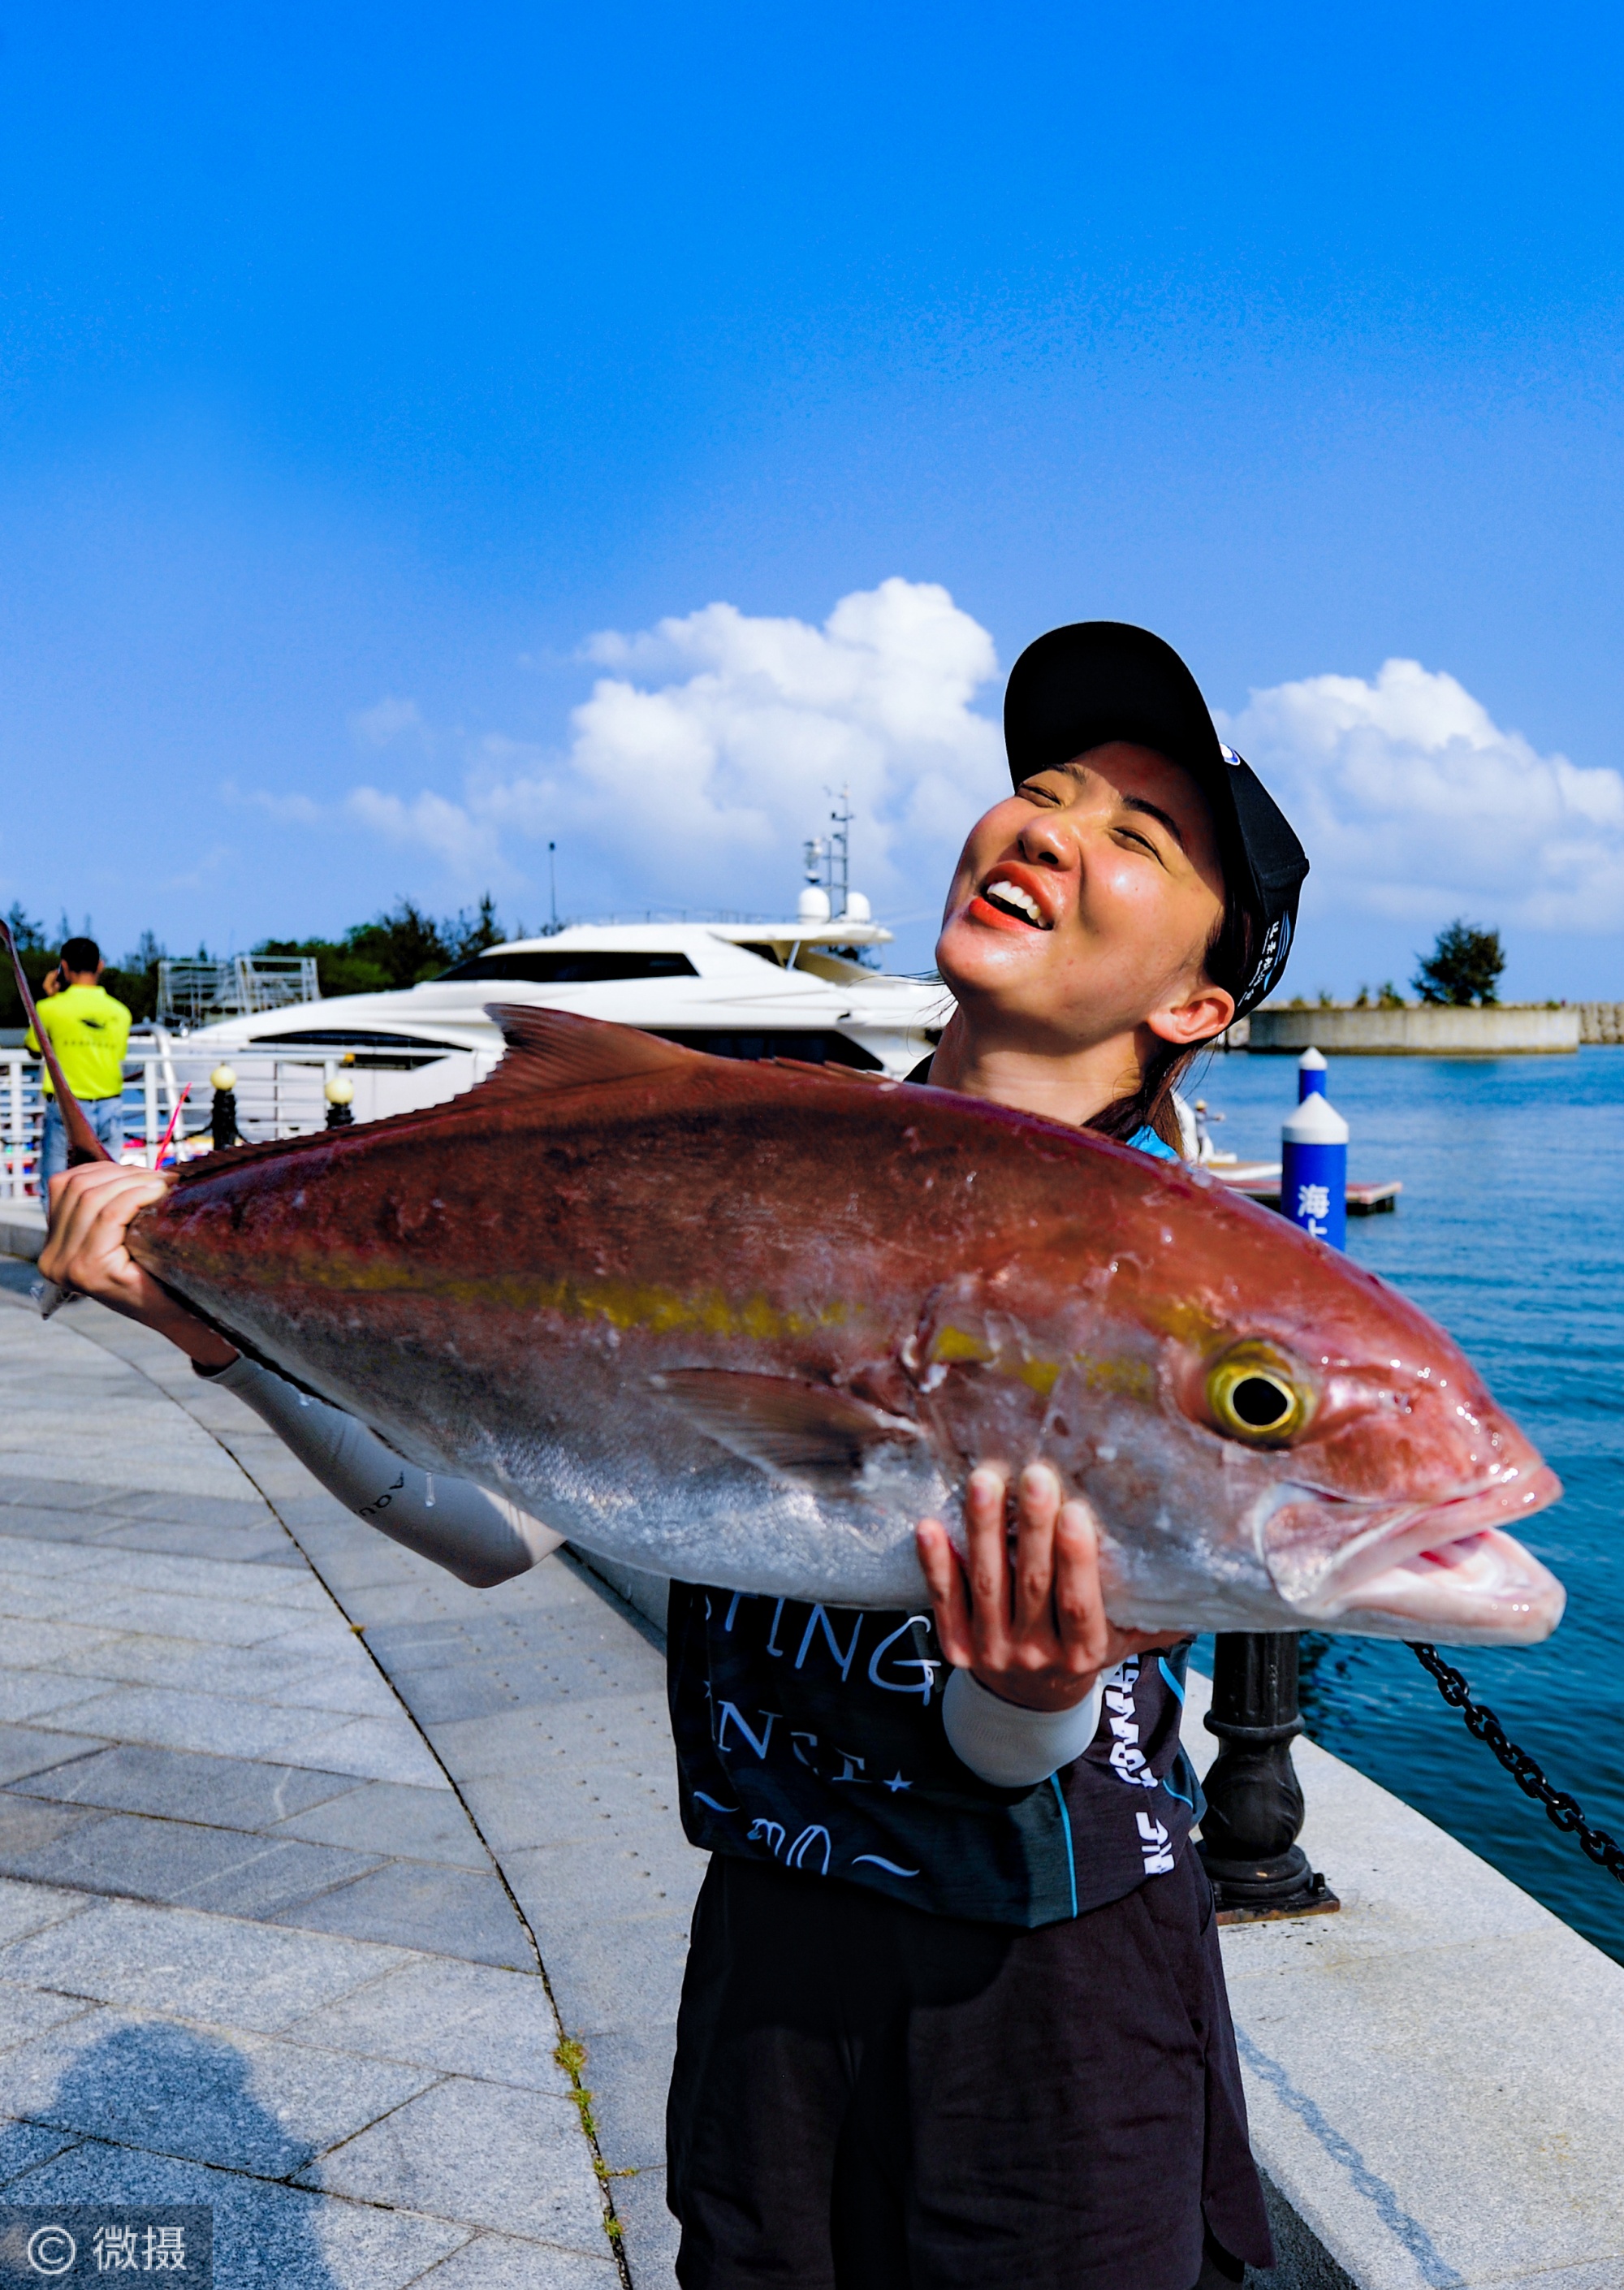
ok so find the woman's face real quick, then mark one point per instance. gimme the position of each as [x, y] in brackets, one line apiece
[1083, 906]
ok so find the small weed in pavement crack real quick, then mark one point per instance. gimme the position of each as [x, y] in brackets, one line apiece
[572, 2057]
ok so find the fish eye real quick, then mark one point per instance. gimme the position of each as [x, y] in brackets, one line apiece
[1260, 1402]
[1257, 1393]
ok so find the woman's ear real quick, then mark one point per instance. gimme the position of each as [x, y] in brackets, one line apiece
[1206, 1012]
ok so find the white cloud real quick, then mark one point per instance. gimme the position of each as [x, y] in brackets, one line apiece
[466, 846]
[698, 764]
[1413, 803]
[286, 810]
[388, 720]
[701, 757]
[204, 871]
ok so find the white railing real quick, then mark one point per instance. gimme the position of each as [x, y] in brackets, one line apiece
[276, 1097]
[20, 1117]
[195, 989]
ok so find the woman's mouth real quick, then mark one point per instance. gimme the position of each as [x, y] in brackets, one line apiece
[1009, 905]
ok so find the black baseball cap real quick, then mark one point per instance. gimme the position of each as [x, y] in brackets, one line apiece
[1078, 688]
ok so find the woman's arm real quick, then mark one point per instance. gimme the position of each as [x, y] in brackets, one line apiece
[1028, 1638]
[479, 1536]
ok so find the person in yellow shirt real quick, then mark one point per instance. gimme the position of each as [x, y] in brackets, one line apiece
[88, 1031]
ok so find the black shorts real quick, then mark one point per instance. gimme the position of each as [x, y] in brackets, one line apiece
[869, 2098]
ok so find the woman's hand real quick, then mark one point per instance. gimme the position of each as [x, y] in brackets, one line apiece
[90, 1209]
[1035, 1633]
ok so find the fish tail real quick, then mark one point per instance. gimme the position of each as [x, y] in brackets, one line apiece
[82, 1143]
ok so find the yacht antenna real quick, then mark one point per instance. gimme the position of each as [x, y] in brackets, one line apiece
[840, 853]
[828, 858]
[552, 877]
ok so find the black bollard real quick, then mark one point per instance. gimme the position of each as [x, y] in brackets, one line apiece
[1254, 1800]
[222, 1118]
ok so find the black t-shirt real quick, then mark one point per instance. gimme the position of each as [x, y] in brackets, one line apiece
[811, 1737]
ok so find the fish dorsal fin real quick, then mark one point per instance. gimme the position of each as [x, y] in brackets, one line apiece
[806, 1431]
[829, 1071]
[554, 1050]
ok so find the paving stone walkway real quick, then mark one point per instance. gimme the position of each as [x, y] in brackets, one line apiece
[285, 1813]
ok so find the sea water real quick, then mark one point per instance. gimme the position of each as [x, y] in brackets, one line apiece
[1510, 1231]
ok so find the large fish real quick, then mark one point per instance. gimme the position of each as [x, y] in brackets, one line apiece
[746, 1324]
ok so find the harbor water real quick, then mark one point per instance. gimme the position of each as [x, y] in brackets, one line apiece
[1510, 1231]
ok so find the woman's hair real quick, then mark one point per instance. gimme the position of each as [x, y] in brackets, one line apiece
[1229, 964]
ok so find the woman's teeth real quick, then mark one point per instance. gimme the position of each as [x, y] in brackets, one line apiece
[1014, 900]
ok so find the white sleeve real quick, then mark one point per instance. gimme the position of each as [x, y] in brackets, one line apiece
[481, 1537]
[1009, 1747]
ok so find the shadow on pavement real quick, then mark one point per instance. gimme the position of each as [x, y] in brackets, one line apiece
[157, 2113]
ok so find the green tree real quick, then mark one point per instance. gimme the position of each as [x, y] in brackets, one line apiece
[338, 969]
[35, 957]
[133, 979]
[399, 948]
[1463, 967]
[469, 935]
[408, 945]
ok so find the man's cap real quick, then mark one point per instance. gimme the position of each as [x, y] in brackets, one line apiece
[1079, 687]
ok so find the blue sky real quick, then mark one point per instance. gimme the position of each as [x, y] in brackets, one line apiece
[359, 368]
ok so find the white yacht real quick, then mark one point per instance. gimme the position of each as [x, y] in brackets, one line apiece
[740, 989]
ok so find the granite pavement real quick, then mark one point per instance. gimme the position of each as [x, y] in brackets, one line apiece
[283, 1812]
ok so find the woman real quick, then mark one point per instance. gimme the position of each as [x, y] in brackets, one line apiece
[997, 2050]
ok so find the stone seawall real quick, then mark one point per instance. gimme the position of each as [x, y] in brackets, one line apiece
[1426, 1032]
[1601, 1021]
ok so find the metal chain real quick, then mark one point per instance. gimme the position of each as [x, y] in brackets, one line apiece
[1564, 1809]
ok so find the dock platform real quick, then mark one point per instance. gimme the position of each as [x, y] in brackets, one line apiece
[1259, 1180]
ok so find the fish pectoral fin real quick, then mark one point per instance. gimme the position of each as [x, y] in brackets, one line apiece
[553, 1049]
[806, 1432]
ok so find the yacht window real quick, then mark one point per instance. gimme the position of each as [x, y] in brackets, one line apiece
[563, 966]
[812, 1048]
[351, 1037]
[378, 1053]
[768, 952]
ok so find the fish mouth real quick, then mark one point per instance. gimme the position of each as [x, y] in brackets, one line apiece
[1449, 1572]
[1479, 1589]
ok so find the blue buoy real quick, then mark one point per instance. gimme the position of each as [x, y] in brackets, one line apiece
[1313, 1168]
[1310, 1075]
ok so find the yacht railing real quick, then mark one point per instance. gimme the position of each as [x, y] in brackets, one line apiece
[276, 1096]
